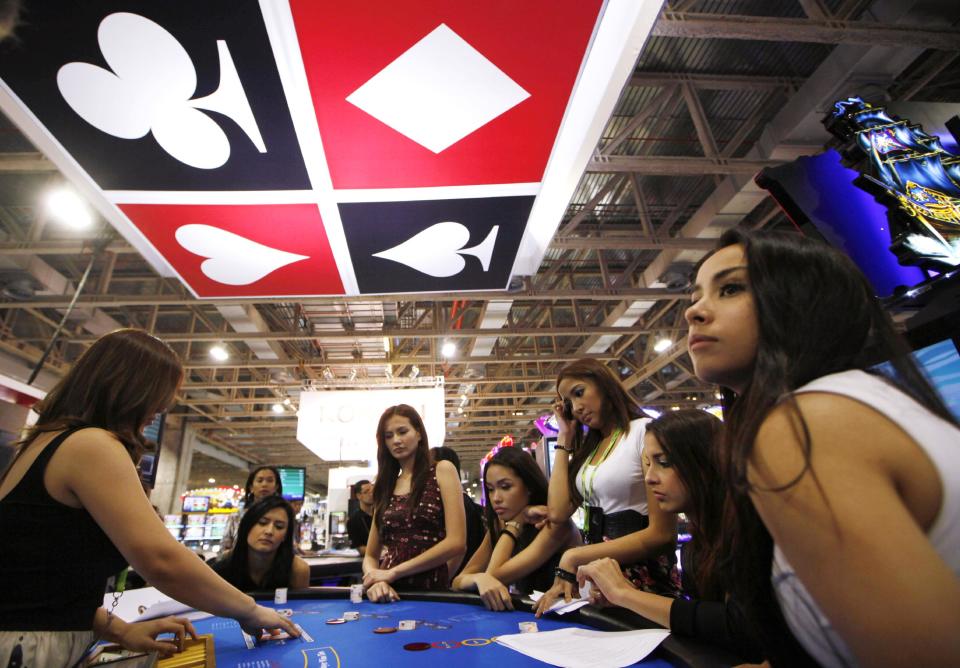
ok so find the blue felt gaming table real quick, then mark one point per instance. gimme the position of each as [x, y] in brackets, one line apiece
[459, 630]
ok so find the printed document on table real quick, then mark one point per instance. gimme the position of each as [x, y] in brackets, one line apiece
[586, 648]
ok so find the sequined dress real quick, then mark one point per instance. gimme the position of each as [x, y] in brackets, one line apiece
[406, 534]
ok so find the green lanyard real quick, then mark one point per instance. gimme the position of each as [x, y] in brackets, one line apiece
[586, 484]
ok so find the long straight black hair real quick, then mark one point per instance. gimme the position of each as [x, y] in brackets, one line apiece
[238, 561]
[389, 467]
[524, 466]
[689, 438]
[816, 315]
[618, 407]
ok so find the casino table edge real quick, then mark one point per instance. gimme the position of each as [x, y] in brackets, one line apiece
[685, 652]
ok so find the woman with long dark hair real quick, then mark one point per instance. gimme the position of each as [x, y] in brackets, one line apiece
[264, 558]
[841, 531]
[73, 512]
[262, 482]
[417, 537]
[598, 467]
[679, 459]
[521, 555]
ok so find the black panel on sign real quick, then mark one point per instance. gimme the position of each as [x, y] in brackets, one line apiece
[434, 245]
[57, 33]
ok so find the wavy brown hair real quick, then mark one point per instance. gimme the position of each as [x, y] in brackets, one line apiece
[389, 467]
[118, 384]
[618, 408]
[689, 438]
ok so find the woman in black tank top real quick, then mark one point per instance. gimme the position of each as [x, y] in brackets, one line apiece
[73, 485]
[514, 552]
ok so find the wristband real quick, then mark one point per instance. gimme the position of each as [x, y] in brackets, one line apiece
[565, 575]
[566, 448]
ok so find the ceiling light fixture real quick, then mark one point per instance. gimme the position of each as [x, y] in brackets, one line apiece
[277, 408]
[662, 345]
[65, 206]
[448, 349]
[219, 353]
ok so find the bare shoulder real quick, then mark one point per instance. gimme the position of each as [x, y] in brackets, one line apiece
[447, 470]
[93, 445]
[840, 431]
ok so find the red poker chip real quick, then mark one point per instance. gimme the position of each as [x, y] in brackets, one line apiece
[416, 646]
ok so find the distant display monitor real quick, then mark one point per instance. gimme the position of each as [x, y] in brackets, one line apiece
[148, 462]
[550, 443]
[294, 482]
[196, 504]
[940, 362]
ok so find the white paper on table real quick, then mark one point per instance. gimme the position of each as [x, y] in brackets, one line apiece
[136, 605]
[560, 606]
[576, 648]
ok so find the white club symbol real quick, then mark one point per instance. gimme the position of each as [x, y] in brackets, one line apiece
[231, 258]
[437, 251]
[148, 88]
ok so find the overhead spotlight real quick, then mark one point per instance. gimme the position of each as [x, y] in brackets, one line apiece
[718, 396]
[448, 349]
[463, 397]
[327, 373]
[414, 371]
[662, 345]
[460, 410]
[219, 353]
[211, 480]
[287, 402]
[65, 206]
[353, 373]
[388, 371]
[386, 344]
[277, 408]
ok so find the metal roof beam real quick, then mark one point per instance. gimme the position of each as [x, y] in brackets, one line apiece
[783, 29]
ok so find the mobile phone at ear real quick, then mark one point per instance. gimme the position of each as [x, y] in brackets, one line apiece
[567, 409]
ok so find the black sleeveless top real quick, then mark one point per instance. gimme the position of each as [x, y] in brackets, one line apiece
[55, 559]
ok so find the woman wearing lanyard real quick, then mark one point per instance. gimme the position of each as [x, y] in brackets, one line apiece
[602, 472]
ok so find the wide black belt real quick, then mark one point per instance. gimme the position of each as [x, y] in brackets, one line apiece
[613, 525]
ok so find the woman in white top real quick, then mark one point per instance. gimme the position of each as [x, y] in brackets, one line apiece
[603, 473]
[842, 528]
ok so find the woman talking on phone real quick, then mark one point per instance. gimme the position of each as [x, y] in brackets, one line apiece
[598, 467]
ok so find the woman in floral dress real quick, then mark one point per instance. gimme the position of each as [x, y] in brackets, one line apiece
[418, 536]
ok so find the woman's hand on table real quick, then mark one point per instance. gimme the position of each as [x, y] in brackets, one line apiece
[606, 579]
[560, 589]
[375, 575]
[142, 636]
[381, 592]
[264, 618]
[493, 593]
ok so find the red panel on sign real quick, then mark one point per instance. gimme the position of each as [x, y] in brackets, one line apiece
[242, 250]
[515, 62]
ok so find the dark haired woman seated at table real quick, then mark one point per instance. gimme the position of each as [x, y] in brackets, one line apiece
[264, 559]
[521, 555]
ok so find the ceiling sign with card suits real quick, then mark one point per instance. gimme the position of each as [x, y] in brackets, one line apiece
[307, 147]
